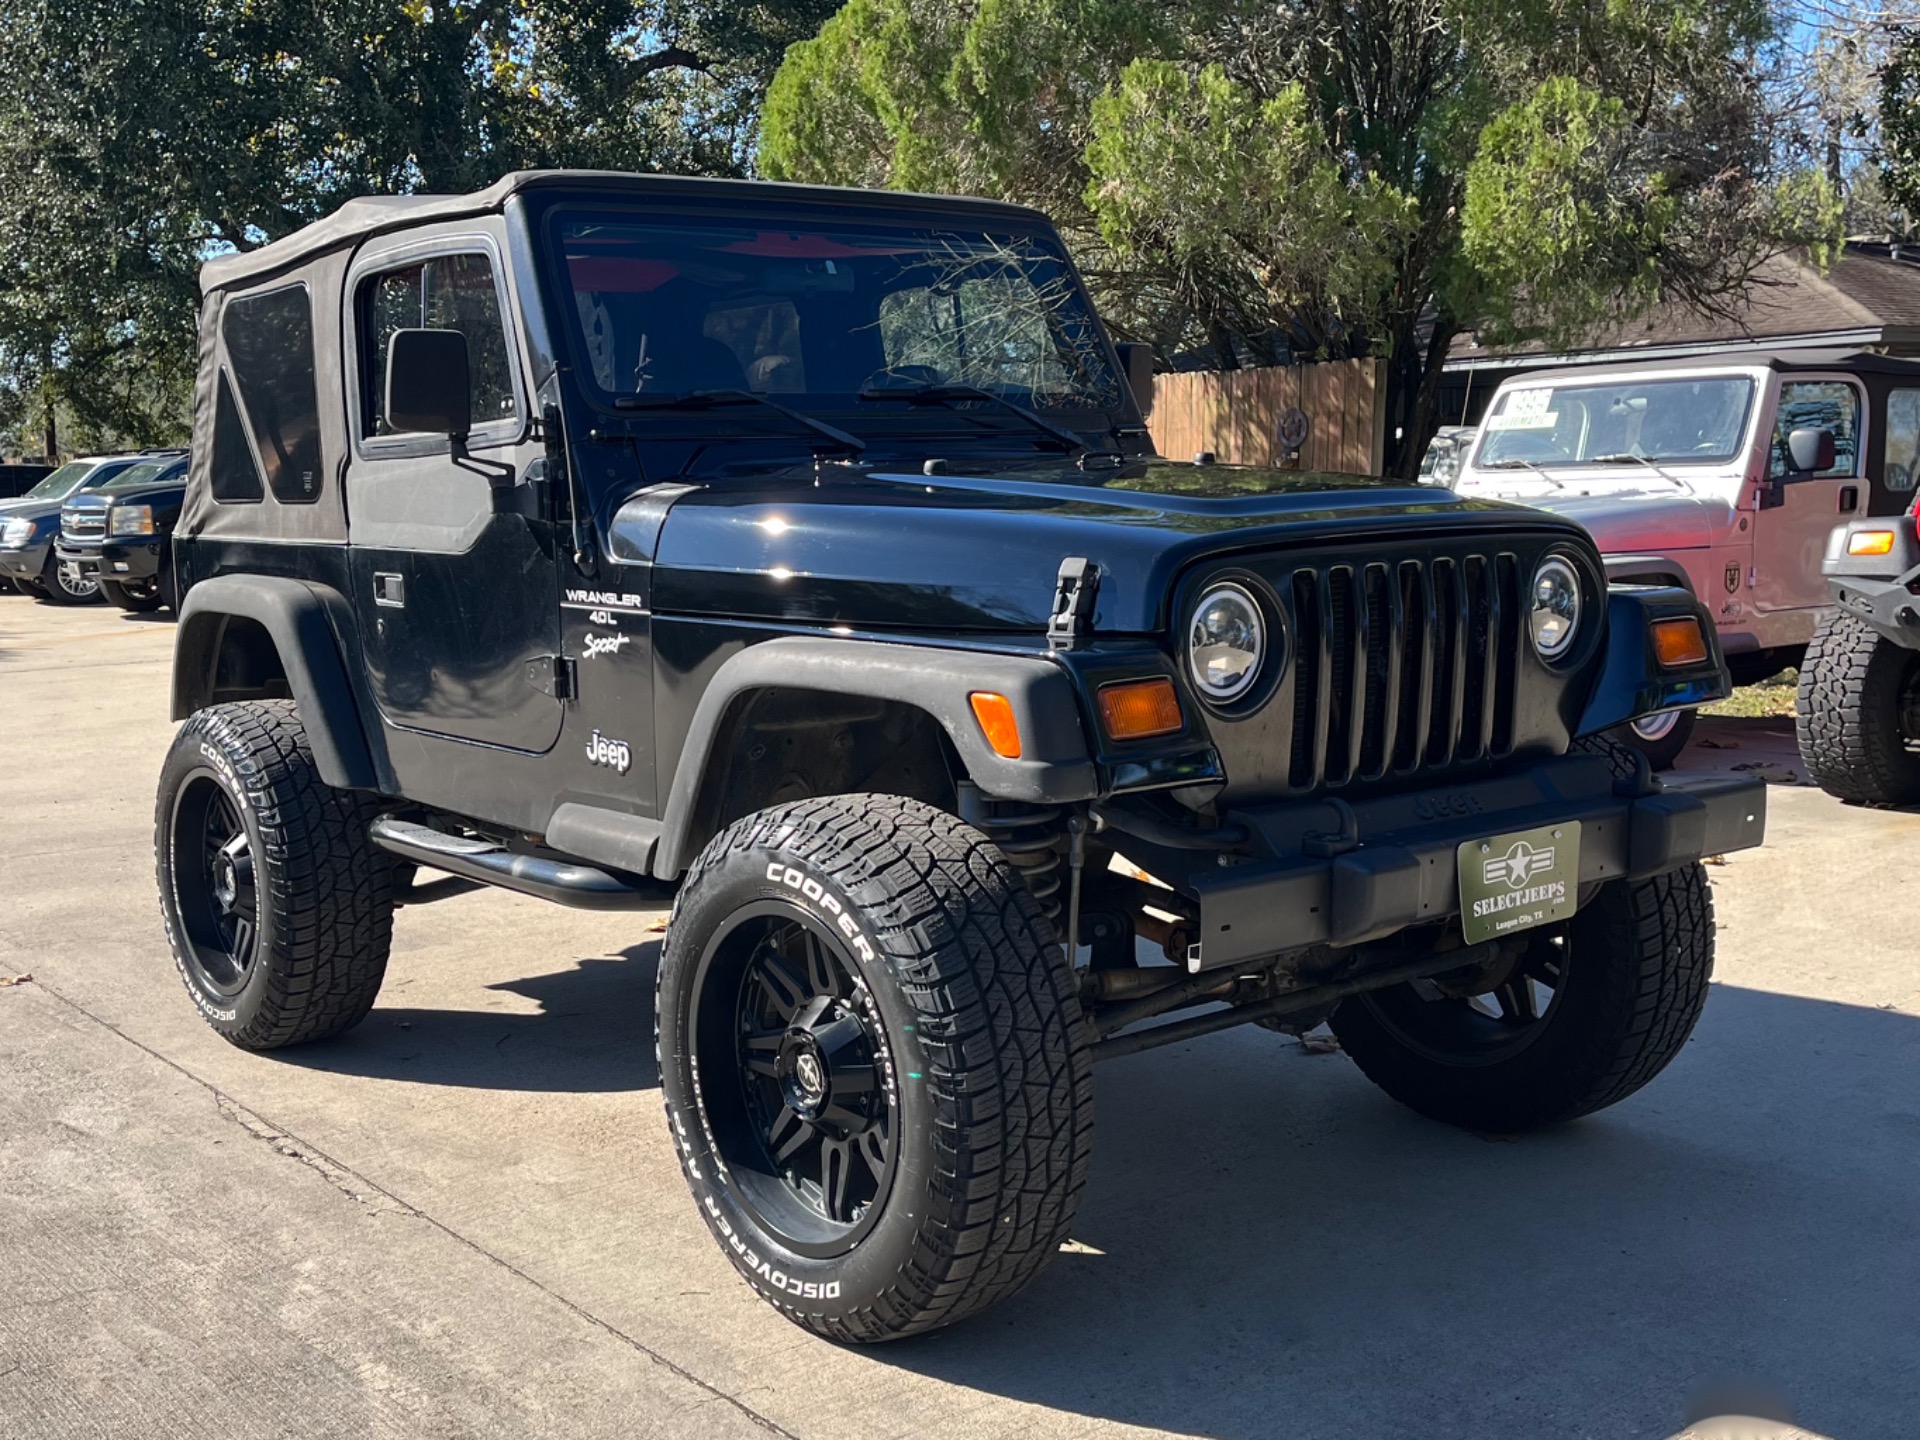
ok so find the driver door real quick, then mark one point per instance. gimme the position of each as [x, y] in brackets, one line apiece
[1791, 537]
[455, 582]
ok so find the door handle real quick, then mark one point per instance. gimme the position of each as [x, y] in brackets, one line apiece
[1849, 499]
[389, 588]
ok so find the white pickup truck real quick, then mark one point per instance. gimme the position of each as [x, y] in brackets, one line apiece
[1723, 475]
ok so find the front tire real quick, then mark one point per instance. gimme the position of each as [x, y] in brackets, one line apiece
[141, 602]
[278, 908]
[874, 1065]
[1859, 714]
[1659, 737]
[1593, 1010]
[61, 588]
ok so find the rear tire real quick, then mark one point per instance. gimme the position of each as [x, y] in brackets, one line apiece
[1859, 711]
[1613, 997]
[278, 908]
[139, 601]
[878, 966]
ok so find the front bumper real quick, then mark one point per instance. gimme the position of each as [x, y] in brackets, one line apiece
[82, 561]
[1882, 590]
[26, 563]
[1392, 861]
[129, 560]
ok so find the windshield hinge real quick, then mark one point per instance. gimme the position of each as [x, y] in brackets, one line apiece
[552, 675]
[1073, 596]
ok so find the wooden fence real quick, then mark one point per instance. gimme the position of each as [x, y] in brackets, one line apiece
[1237, 413]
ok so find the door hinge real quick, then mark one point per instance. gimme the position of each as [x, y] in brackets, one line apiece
[1075, 591]
[553, 675]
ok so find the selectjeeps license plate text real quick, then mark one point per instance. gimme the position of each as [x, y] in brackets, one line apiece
[1517, 881]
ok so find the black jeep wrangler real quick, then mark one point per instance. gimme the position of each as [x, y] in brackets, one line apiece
[801, 557]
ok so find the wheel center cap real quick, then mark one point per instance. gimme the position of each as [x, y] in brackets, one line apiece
[226, 882]
[803, 1076]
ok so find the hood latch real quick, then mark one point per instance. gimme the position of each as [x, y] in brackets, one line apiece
[1075, 591]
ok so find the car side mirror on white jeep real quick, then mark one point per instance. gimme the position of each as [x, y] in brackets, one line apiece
[429, 383]
[1809, 452]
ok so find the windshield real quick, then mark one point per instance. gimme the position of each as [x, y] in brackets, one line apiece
[140, 474]
[1678, 421]
[62, 482]
[816, 314]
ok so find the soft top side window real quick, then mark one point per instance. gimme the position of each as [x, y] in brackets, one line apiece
[1818, 405]
[233, 474]
[1903, 441]
[446, 292]
[269, 340]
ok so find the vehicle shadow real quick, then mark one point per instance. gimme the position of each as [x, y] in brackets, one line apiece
[1270, 1247]
[593, 1034]
[1762, 745]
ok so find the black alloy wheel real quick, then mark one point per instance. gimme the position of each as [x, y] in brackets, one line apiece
[216, 887]
[1588, 1013]
[789, 1059]
[1453, 1028]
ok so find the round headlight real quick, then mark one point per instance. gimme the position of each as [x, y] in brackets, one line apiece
[1555, 616]
[1225, 642]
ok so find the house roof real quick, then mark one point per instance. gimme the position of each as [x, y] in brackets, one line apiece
[371, 215]
[1871, 297]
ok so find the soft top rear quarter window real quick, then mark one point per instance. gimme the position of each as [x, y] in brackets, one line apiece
[269, 343]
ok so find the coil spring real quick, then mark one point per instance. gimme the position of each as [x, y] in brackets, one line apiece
[1034, 840]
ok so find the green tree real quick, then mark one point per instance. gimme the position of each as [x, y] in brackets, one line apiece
[1346, 176]
[139, 136]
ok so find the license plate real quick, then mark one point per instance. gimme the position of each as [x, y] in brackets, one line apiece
[1519, 880]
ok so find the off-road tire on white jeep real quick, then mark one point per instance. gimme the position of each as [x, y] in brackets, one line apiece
[1616, 991]
[886, 954]
[285, 940]
[141, 602]
[1853, 736]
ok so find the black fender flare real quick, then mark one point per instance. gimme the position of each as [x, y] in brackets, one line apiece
[1631, 682]
[1647, 570]
[1055, 765]
[305, 624]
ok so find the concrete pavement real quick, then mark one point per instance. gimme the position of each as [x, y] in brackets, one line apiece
[464, 1217]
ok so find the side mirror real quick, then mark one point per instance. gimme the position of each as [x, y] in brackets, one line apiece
[1138, 360]
[429, 384]
[1811, 451]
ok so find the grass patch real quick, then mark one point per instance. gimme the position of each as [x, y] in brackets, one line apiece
[1773, 697]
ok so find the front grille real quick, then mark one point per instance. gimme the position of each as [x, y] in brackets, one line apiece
[1400, 667]
[83, 525]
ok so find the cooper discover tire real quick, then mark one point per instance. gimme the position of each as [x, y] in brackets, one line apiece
[278, 908]
[1592, 1011]
[874, 1065]
[1859, 710]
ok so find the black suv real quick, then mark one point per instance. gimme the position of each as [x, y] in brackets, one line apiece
[117, 536]
[800, 556]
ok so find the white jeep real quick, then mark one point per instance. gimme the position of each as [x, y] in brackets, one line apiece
[1725, 476]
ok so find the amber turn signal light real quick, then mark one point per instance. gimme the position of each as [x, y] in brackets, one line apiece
[1870, 542]
[1679, 642]
[995, 714]
[1139, 709]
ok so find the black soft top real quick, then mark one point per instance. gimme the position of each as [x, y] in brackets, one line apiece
[375, 214]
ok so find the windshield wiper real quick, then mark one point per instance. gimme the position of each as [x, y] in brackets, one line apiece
[1557, 483]
[937, 393]
[713, 399]
[1627, 456]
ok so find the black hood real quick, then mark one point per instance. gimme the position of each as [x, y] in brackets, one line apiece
[873, 548]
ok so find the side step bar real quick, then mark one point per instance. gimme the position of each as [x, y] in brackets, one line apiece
[565, 882]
